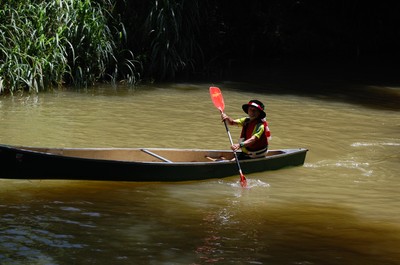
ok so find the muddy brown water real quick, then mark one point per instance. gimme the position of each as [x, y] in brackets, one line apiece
[341, 207]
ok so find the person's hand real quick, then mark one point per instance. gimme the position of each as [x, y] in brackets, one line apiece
[235, 147]
[224, 116]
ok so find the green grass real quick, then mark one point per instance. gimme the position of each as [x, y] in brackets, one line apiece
[47, 44]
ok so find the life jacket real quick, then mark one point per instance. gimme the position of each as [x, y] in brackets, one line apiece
[247, 132]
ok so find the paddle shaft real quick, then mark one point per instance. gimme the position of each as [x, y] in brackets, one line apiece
[234, 152]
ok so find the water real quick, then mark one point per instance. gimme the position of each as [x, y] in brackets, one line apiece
[341, 207]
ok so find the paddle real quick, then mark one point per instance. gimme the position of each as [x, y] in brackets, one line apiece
[218, 100]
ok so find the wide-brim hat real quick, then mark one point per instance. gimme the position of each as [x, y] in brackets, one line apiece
[257, 104]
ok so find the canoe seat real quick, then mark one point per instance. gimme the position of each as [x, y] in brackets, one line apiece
[157, 156]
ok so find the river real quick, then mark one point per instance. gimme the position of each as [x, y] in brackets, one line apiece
[341, 207]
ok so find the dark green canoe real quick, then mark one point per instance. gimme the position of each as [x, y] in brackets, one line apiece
[135, 164]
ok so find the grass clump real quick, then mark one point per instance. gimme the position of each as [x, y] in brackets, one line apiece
[46, 44]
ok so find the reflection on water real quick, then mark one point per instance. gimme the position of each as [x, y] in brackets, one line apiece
[341, 207]
[158, 224]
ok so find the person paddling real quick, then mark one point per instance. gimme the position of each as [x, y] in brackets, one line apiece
[255, 131]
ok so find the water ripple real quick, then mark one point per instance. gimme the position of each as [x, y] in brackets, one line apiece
[20, 242]
[345, 164]
[358, 144]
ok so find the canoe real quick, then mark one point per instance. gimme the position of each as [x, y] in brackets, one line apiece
[135, 164]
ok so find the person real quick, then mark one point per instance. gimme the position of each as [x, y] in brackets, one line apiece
[255, 133]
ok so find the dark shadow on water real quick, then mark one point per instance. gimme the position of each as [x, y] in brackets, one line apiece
[302, 233]
[374, 86]
[120, 223]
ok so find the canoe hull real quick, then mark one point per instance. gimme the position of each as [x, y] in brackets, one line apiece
[31, 163]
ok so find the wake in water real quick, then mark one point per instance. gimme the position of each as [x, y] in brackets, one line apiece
[374, 144]
[345, 164]
[251, 183]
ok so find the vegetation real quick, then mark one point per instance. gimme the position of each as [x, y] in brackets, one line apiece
[44, 44]
[171, 29]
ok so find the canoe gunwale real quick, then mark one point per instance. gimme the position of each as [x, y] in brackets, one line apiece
[272, 154]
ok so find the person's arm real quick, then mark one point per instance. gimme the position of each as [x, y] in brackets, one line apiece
[246, 143]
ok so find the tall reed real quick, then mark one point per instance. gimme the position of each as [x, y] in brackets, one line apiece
[46, 44]
[172, 33]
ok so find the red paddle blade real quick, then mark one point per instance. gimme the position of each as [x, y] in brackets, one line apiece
[217, 99]
[243, 181]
